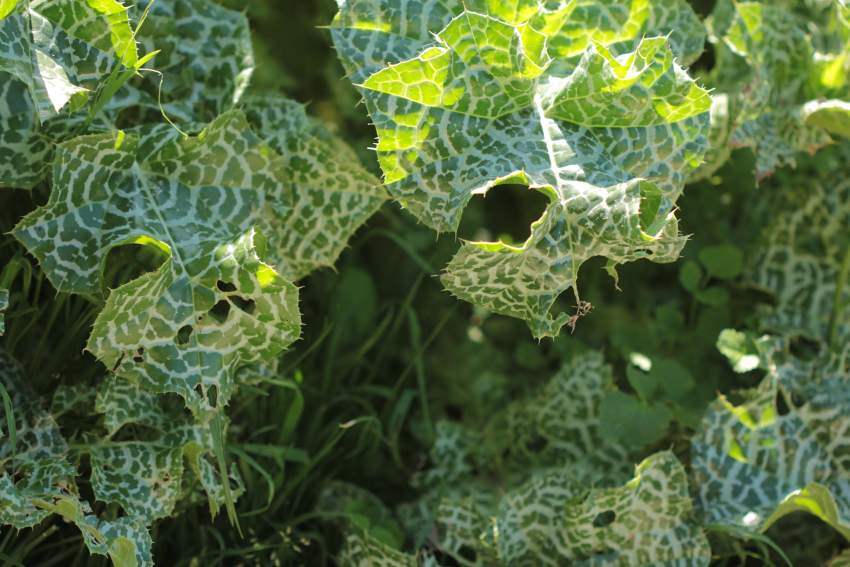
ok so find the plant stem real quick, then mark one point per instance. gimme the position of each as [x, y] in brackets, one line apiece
[837, 303]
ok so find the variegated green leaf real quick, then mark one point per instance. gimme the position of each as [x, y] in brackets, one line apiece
[205, 55]
[770, 65]
[28, 502]
[369, 34]
[63, 48]
[452, 480]
[554, 429]
[37, 435]
[195, 199]
[462, 526]
[608, 139]
[45, 490]
[77, 398]
[648, 522]
[125, 540]
[454, 456]
[559, 426]
[362, 550]
[333, 194]
[27, 148]
[780, 451]
[802, 259]
[146, 477]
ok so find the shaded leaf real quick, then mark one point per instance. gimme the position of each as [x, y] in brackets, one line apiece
[37, 434]
[148, 188]
[635, 423]
[772, 74]
[780, 451]
[800, 261]
[564, 417]
[333, 195]
[649, 521]
[206, 55]
[362, 550]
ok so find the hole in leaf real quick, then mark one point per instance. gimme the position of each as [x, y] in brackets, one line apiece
[183, 335]
[127, 262]
[246, 305]
[536, 444]
[604, 519]
[118, 362]
[806, 539]
[708, 59]
[220, 311]
[506, 213]
[467, 553]
[782, 407]
[199, 389]
[139, 355]
[226, 287]
[212, 396]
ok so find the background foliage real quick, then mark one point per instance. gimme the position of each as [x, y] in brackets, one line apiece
[403, 419]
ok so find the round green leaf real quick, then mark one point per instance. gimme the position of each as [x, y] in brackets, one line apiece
[713, 296]
[723, 262]
[690, 276]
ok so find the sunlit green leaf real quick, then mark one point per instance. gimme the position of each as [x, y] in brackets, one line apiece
[471, 112]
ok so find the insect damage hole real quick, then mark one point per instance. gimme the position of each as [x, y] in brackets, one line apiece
[536, 444]
[218, 314]
[225, 287]
[604, 519]
[139, 355]
[246, 305]
[199, 390]
[507, 213]
[468, 553]
[184, 335]
[782, 407]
